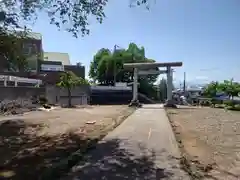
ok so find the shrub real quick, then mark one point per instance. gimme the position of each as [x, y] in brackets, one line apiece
[229, 103]
[219, 106]
[46, 106]
[205, 103]
[216, 101]
[234, 108]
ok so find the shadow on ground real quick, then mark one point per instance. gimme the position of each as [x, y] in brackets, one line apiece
[109, 161]
[24, 155]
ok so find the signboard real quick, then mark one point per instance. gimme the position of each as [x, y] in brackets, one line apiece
[110, 88]
[51, 67]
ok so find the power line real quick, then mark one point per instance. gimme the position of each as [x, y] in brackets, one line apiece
[114, 70]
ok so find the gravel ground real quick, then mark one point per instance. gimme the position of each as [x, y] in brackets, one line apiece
[143, 147]
[210, 136]
[32, 142]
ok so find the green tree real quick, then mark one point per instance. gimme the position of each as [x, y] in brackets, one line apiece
[69, 80]
[230, 88]
[70, 15]
[106, 64]
[95, 64]
[11, 45]
[102, 66]
[212, 89]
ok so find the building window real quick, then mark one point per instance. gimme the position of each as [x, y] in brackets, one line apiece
[29, 48]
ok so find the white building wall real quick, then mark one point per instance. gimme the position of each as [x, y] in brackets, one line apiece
[56, 56]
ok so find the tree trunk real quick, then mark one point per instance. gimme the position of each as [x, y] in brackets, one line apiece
[69, 98]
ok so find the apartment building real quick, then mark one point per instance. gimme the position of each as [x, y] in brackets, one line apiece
[40, 62]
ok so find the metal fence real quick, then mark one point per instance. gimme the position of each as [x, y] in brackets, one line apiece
[17, 80]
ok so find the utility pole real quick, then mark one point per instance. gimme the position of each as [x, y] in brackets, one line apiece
[114, 68]
[133, 60]
[184, 83]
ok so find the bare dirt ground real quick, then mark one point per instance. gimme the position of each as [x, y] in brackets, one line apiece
[210, 139]
[33, 142]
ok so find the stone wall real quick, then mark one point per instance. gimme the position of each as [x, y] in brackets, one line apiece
[54, 95]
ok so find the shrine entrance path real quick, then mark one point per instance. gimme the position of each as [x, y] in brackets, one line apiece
[142, 147]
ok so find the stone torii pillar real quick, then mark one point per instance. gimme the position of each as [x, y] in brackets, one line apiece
[169, 84]
[147, 66]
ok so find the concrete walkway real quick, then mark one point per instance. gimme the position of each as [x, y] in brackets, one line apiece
[142, 147]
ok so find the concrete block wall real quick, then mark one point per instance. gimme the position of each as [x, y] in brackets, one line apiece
[54, 95]
[57, 95]
[12, 93]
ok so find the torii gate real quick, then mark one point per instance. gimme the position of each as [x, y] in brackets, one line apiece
[146, 66]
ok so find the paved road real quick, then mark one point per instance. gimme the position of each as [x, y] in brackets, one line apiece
[142, 147]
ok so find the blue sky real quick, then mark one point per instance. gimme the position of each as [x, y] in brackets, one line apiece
[203, 34]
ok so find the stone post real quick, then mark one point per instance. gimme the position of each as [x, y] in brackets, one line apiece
[135, 85]
[169, 102]
[169, 83]
[5, 82]
[135, 101]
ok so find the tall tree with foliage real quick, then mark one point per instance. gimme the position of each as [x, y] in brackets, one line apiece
[212, 89]
[69, 81]
[70, 15]
[102, 66]
[107, 64]
[230, 88]
[95, 64]
[11, 50]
